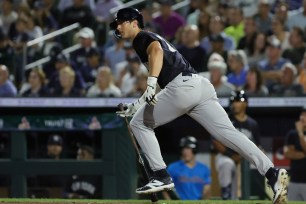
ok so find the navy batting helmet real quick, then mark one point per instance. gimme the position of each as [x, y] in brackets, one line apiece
[191, 142]
[126, 14]
[238, 96]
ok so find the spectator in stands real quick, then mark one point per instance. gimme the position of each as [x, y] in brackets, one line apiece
[238, 63]
[193, 18]
[191, 49]
[236, 25]
[46, 16]
[83, 186]
[90, 69]
[86, 37]
[7, 15]
[254, 86]
[169, 21]
[301, 78]
[115, 54]
[148, 22]
[192, 178]
[140, 85]
[129, 51]
[264, 17]
[295, 150]
[20, 37]
[78, 12]
[217, 69]
[104, 86]
[287, 86]
[66, 80]
[217, 46]
[281, 12]
[278, 30]
[61, 62]
[63, 4]
[259, 49]
[7, 53]
[298, 18]
[273, 62]
[203, 24]
[7, 88]
[102, 9]
[37, 86]
[50, 8]
[128, 75]
[296, 53]
[33, 30]
[247, 42]
[216, 26]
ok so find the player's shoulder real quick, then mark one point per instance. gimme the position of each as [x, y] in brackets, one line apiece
[251, 120]
[202, 165]
[176, 164]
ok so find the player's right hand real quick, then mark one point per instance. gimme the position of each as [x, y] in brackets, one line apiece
[130, 110]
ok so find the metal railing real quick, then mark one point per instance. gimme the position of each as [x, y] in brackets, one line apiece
[48, 36]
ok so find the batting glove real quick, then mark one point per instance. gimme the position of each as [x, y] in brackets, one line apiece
[131, 109]
[149, 94]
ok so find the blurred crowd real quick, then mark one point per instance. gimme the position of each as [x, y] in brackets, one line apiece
[255, 45]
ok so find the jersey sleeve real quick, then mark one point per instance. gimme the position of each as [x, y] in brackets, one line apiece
[290, 138]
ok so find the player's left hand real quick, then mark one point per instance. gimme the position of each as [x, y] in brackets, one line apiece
[149, 94]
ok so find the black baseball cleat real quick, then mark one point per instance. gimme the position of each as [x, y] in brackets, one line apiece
[279, 183]
[155, 185]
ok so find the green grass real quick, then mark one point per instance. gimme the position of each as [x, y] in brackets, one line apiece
[69, 201]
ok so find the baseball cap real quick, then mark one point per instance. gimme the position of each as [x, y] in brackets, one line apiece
[216, 38]
[127, 14]
[289, 65]
[55, 140]
[86, 33]
[274, 42]
[216, 61]
[61, 58]
[92, 52]
[133, 58]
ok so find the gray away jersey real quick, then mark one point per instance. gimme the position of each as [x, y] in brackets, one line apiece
[173, 62]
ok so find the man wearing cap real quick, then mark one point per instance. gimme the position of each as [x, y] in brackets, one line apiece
[129, 74]
[295, 150]
[89, 70]
[216, 27]
[55, 147]
[87, 40]
[169, 21]
[191, 178]
[227, 159]
[217, 69]
[287, 86]
[271, 65]
[61, 62]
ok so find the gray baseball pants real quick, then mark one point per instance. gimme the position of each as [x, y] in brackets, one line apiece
[193, 95]
[297, 191]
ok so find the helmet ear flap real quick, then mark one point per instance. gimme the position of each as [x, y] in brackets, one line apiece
[117, 34]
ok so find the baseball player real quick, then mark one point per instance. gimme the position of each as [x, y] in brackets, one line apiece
[191, 178]
[227, 159]
[183, 92]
